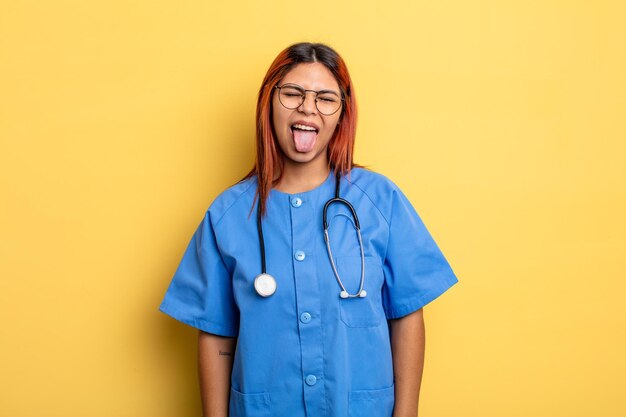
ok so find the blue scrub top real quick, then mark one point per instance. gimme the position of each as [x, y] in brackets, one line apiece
[304, 351]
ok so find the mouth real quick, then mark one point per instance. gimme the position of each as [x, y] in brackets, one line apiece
[308, 127]
[304, 136]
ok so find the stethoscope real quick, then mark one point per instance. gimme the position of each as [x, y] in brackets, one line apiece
[265, 284]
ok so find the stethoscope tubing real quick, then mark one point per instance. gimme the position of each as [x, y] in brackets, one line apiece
[259, 227]
[263, 278]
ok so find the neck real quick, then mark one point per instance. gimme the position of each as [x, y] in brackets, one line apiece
[299, 177]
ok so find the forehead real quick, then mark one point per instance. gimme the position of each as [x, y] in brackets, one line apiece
[313, 76]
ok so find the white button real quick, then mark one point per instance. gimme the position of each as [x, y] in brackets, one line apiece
[300, 256]
[305, 317]
[296, 202]
[310, 380]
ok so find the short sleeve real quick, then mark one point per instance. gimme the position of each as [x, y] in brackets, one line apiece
[200, 293]
[416, 272]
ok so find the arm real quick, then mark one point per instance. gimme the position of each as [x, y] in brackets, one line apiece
[215, 364]
[407, 347]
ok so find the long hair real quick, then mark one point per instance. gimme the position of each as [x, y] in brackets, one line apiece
[268, 166]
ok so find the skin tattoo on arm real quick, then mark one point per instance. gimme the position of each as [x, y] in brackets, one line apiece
[224, 353]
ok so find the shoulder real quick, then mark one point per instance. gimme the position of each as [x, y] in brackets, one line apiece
[370, 181]
[379, 189]
[235, 198]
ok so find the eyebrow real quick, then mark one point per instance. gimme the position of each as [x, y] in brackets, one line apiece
[319, 92]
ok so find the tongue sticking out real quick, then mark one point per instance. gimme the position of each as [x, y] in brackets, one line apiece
[304, 139]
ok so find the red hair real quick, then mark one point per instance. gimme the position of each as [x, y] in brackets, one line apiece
[268, 166]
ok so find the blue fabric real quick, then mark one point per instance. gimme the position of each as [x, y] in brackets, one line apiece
[336, 362]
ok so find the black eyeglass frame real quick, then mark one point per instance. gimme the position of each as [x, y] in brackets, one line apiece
[304, 91]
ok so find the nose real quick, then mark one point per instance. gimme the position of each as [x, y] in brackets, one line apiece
[308, 105]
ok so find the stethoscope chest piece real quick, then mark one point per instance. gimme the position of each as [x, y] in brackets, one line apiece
[265, 285]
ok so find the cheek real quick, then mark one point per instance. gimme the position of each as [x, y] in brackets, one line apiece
[278, 118]
[332, 126]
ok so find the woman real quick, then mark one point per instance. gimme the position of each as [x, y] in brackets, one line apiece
[292, 324]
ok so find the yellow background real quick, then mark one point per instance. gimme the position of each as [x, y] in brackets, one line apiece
[504, 123]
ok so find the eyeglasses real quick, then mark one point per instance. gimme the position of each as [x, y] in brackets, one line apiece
[292, 96]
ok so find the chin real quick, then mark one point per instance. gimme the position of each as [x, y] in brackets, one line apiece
[303, 157]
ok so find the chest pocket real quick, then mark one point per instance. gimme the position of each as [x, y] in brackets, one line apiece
[373, 403]
[367, 311]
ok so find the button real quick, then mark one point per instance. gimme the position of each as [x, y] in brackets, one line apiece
[305, 317]
[310, 380]
[300, 256]
[296, 202]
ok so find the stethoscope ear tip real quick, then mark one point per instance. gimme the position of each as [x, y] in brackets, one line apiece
[345, 294]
